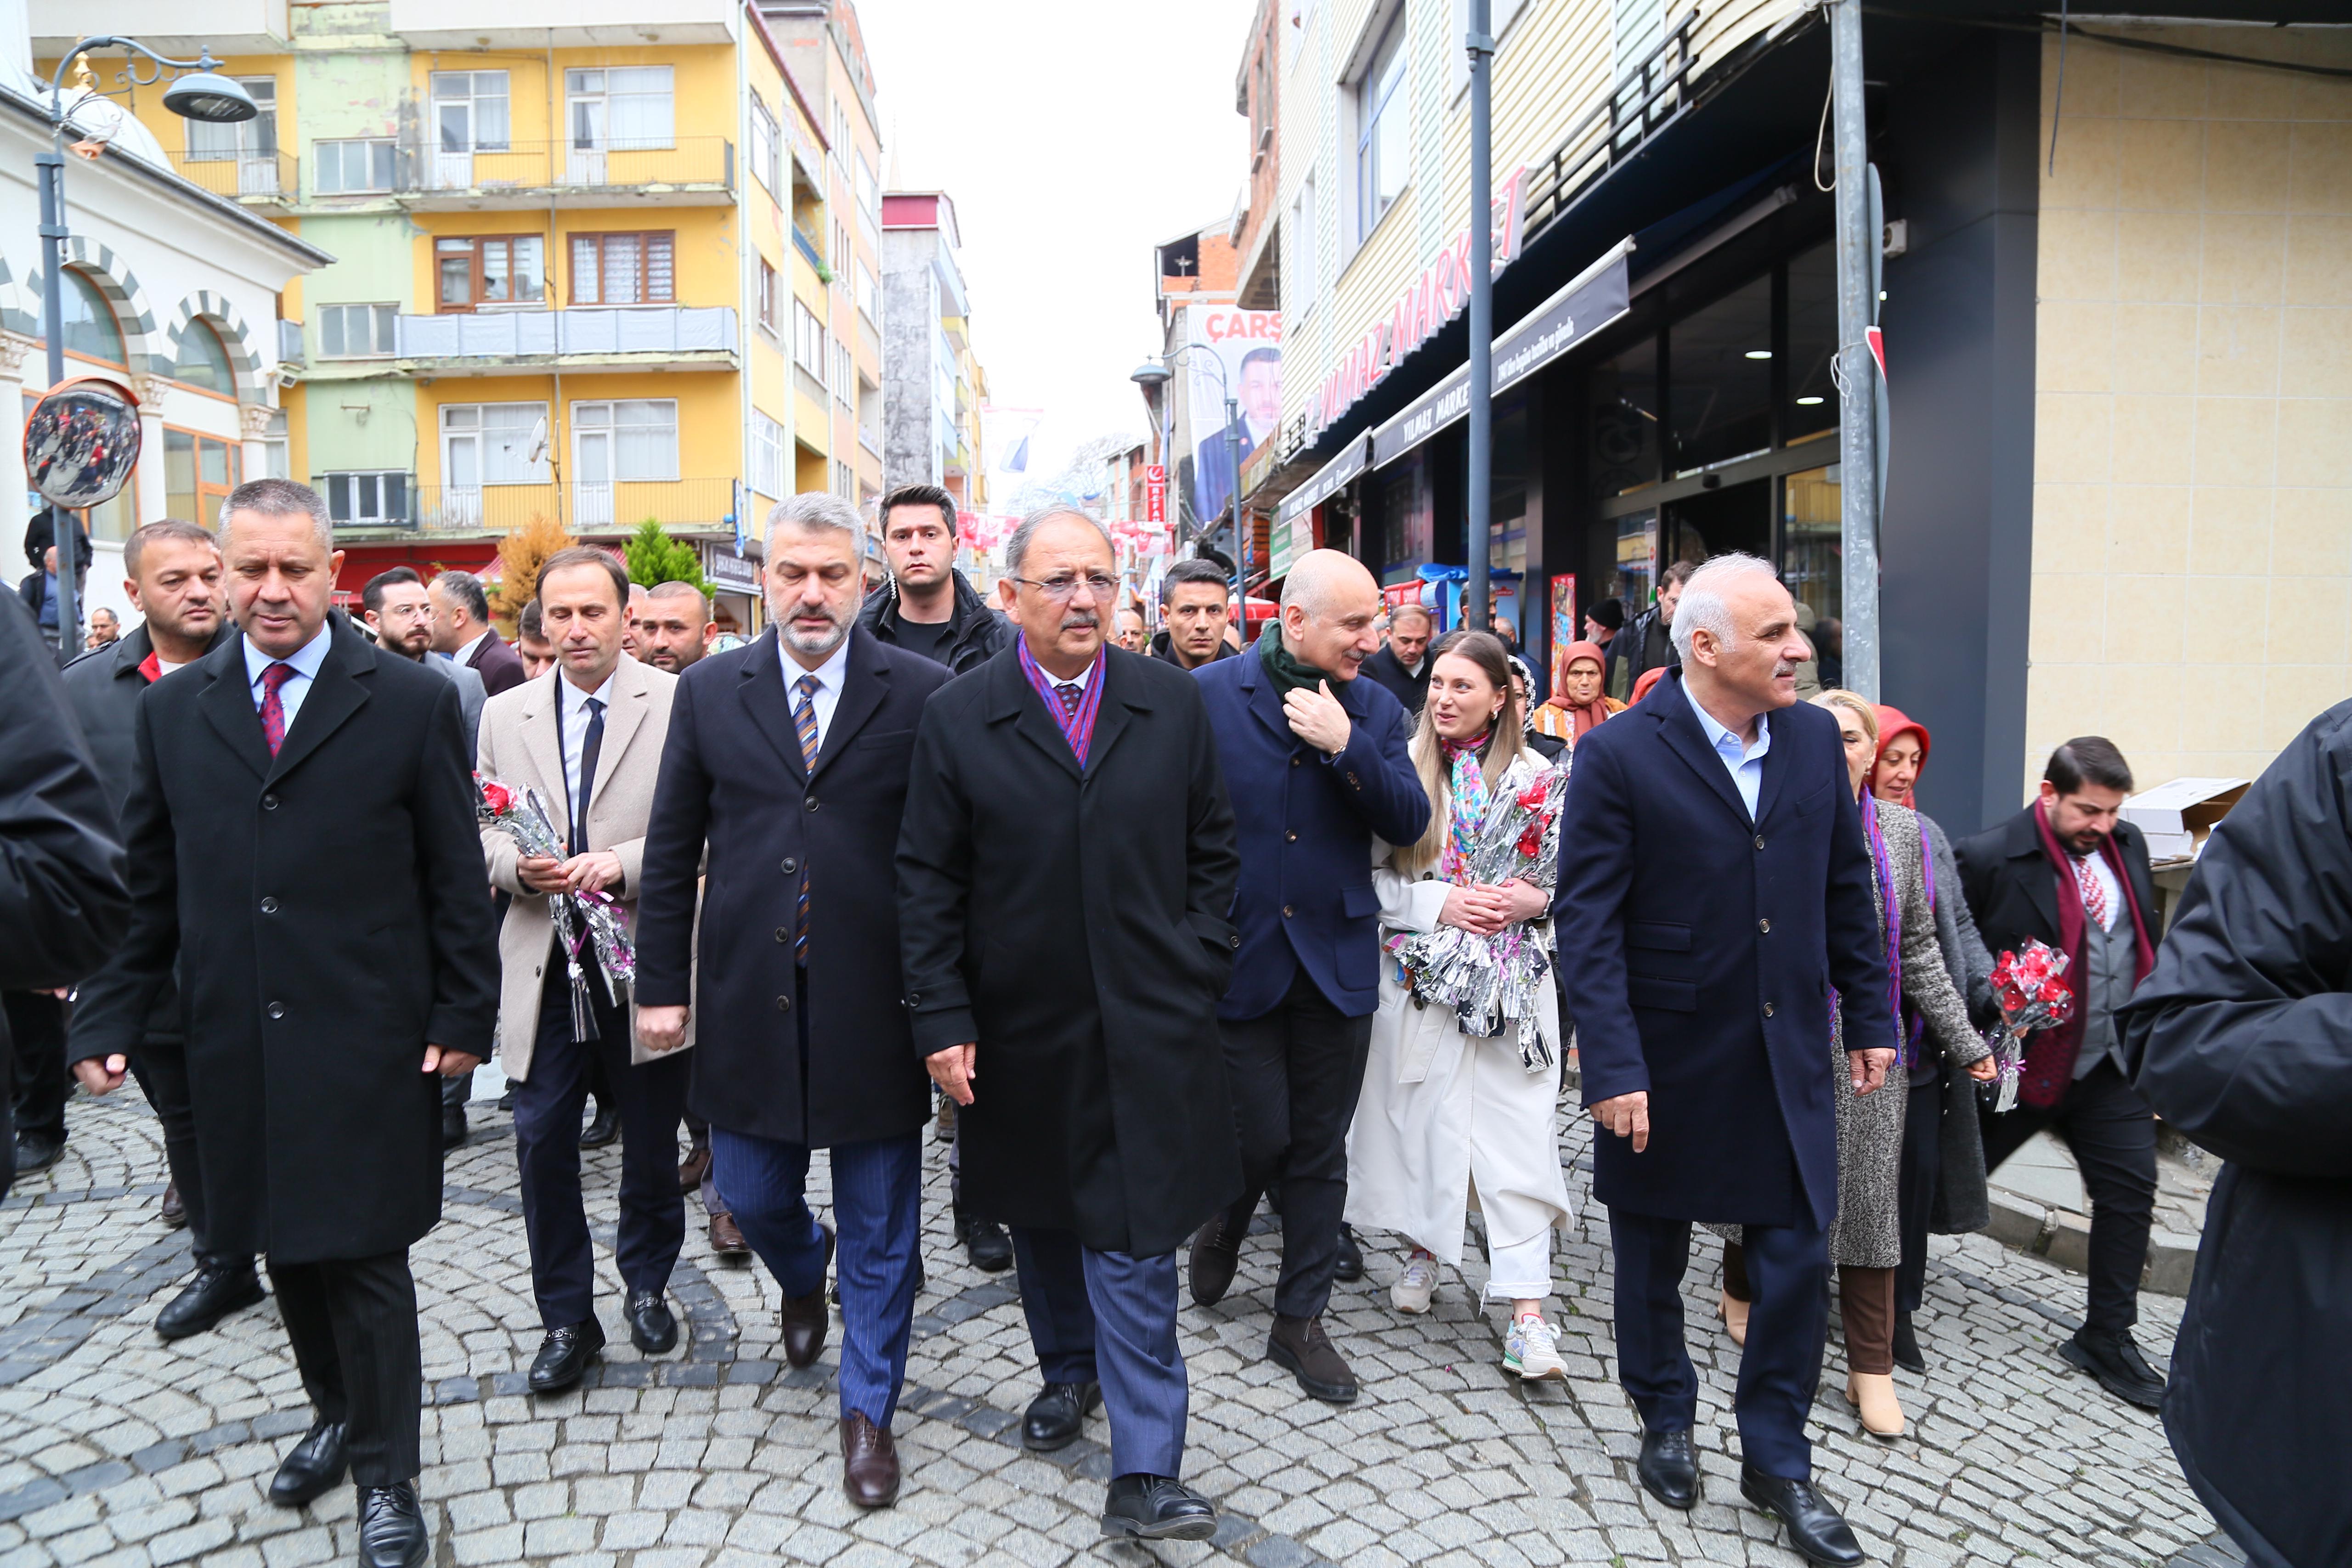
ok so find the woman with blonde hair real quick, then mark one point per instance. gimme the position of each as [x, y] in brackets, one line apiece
[1464, 1071]
[1865, 1242]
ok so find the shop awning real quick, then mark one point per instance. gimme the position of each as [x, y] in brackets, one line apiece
[1350, 462]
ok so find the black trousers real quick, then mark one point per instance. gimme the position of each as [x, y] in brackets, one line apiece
[353, 1322]
[1296, 1073]
[37, 1026]
[162, 1069]
[1915, 1194]
[2112, 1133]
[651, 1102]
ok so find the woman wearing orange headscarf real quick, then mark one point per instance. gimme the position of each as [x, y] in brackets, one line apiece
[1942, 1187]
[1580, 702]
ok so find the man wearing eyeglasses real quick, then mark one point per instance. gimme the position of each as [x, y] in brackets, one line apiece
[1065, 869]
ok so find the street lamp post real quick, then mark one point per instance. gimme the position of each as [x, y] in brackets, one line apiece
[1154, 375]
[197, 93]
[1480, 501]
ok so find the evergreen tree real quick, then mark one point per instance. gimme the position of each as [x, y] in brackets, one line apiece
[654, 558]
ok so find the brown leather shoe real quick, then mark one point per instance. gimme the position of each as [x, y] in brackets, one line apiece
[1299, 1346]
[693, 1167]
[805, 1318]
[173, 1213]
[869, 1462]
[726, 1239]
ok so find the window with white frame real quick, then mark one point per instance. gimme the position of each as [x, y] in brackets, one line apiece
[766, 144]
[869, 293]
[771, 298]
[381, 497]
[490, 444]
[218, 141]
[631, 440]
[1384, 125]
[620, 107]
[352, 168]
[840, 253]
[274, 464]
[808, 340]
[869, 415]
[469, 111]
[624, 268]
[356, 331]
[869, 187]
[767, 456]
[844, 374]
[1299, 285]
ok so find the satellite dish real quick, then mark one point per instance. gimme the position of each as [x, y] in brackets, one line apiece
[82, 443]
[538, 453]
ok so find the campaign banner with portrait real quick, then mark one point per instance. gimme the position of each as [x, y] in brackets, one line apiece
[1229, 348]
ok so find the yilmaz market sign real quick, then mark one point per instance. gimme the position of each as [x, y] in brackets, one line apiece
[1440, 293]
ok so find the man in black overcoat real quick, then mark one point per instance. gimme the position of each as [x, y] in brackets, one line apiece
[2243, 1040]
[1715, 890]
[302, 838]
[1065, 875]
[789, 757]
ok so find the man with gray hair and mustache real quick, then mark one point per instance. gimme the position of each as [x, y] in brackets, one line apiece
[789, 756]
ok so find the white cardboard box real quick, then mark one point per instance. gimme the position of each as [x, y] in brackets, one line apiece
[2178, 815]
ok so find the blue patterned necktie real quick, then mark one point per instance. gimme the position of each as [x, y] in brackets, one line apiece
[804, 725]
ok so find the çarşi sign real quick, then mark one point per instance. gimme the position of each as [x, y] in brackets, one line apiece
[1428, 303]
[1593, 300]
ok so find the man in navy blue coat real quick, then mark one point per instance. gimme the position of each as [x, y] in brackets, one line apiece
[1314, 760]
[1714, 895]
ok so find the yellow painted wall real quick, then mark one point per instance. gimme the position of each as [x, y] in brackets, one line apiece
[705, 254]
[708, 424]
[2192, 512]
[170, 131]
[702, 84]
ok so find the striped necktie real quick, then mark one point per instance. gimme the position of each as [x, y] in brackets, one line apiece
[804, 725]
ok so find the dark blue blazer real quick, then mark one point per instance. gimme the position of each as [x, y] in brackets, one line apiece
[1306, 825]
[1699, 951]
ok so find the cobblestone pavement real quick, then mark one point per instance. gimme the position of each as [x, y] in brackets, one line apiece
[116, 1448]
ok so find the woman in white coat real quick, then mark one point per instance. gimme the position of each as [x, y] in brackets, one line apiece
[1447, 1120]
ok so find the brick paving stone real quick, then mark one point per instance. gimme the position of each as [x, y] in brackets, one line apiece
[116, 1448]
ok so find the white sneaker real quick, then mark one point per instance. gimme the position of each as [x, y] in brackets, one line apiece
[1413, 1289]
[1532, 1350]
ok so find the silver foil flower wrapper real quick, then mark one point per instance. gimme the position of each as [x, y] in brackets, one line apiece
[585, 922]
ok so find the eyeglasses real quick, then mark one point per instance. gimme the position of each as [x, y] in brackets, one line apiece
[1063, 588]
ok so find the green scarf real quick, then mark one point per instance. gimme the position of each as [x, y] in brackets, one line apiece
[1286, 672]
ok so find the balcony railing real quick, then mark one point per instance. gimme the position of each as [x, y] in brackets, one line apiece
[271, 175]
[685, 163]
[610, 333]
[617, 506]
[1649, 96]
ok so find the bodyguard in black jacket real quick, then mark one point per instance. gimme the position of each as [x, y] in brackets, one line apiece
[2243, 1040]
[918, 537]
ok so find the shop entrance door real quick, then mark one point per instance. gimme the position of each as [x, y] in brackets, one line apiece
[1736, 517]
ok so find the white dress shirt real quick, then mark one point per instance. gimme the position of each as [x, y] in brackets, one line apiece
[573, 716]
[466, 651]
[1745, 763]
[830, 676]
[305, 662]
[1082, 680]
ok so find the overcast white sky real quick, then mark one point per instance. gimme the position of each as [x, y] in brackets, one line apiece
[1073, 135]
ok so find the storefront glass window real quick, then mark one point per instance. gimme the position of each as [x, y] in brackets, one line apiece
[1719, 375]
[1812, 342]
[1809, 550]
[1407, 511]
[1624, 421]
[1637, 565]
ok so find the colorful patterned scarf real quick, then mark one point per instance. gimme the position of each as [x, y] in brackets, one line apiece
[1466, 784]
[1891, 920]
[1078, 728]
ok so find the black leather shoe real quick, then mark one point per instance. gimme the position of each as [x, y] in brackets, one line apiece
[1156, 1508]
[392, 1528]
[564, 1356]
[1216, 1254]
[311, 1469]
[37, 1152]
[602, 1129]
[222, 1286]
[453, 1127]
[1348, 1267]
[1907, 1345]
[1817, 1532]
[1055, 1415]
[1668, 1468]
[984, 1242]
[652, 1327]
[2115, 1361]
[172, 1212]
[1300, 1347]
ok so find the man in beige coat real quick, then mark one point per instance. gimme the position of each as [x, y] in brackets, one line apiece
[587, 741]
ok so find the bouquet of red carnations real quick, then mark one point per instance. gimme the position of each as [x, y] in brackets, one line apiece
[2032, 989]
[585, 921]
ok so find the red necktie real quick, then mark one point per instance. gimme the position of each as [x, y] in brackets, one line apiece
[273, 707]
[2094, 893]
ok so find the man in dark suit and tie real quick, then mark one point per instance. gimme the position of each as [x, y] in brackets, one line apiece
[789, 757]
[302, 838]
[462, 628]
[1064, 879]
[1314, 760]
[1716, 890]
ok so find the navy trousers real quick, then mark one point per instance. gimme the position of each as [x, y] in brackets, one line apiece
[1787, 1326]
[878, 1205]
[1110, 1318]
[652, 1098]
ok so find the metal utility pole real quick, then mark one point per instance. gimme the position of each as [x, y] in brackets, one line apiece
[1241, 534]
[64, 531]
[1481, 44]
[1857, 371]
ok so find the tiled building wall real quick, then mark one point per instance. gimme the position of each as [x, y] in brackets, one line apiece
[2192, 523]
